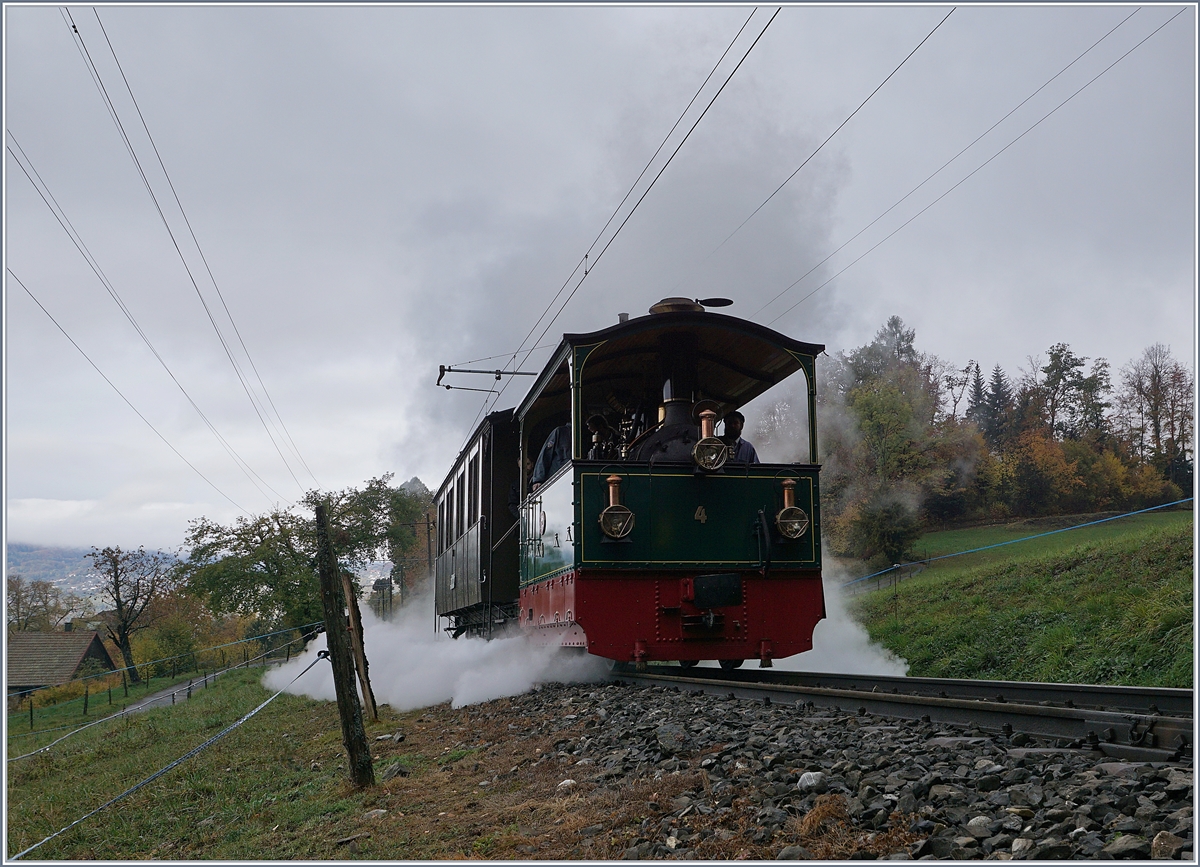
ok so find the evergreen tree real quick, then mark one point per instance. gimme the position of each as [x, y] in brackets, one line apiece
[998, 408]
[977, 399]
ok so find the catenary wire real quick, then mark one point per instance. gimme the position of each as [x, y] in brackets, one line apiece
[944, 165]
[642, 198]
[121, 395]
[849, 117]
[179, 761]
[501, 355]
[583, 263]
[985, 163]
[200, 250]
[86, 55]
[1013, 541]
[660, 172]
[64, 221]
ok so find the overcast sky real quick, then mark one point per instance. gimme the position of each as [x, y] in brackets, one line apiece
[378, 190]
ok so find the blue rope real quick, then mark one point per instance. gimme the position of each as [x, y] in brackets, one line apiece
[1012, 541]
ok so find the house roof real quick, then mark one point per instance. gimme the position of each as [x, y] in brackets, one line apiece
[49, 658]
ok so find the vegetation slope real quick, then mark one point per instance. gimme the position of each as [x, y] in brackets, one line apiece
[1116, 610]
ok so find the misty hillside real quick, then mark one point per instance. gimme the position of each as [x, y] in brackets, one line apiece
[63, 567]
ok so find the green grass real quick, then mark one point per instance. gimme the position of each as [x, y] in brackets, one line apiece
[1109, 604]
[68, 713]
[219, 804]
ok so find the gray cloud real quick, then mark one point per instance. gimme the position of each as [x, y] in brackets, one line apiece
[382, 189]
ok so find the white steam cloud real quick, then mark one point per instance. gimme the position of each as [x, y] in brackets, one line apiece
[841, 644]
[412, 666]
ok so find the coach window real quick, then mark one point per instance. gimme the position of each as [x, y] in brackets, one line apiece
[460, 525]
[473, 490]
[543, 414]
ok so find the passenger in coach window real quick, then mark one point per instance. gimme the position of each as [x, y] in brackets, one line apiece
[555, 452]
[740, 451]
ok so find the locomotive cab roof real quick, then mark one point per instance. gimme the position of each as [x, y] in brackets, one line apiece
[733, 361]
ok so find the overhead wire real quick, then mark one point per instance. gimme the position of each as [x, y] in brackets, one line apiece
[641, 198]
[81, 45]
[200, 250]
[47, 196]
[501, 355]
[944, 165]
[120, 394]
[849, 117]
[583, 262]
[981, 166]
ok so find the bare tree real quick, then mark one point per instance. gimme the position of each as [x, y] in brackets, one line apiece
[1155, 406]
[132, 581]
[39, 606]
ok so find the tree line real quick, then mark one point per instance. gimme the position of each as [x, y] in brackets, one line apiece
[909, 441]
[251, 577]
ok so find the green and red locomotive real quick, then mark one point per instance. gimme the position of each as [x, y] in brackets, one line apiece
[604, 513]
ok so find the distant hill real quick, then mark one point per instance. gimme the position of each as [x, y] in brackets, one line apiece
[417, 487]
[63, 567]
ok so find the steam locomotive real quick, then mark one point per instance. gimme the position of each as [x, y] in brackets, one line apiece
[645, 540]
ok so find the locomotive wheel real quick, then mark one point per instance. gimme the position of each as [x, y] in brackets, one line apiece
[731, 664]
[688, 663]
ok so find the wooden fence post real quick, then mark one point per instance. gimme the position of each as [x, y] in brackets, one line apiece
[85, 697]
[354, 736]
[31, 712]
[356, 644]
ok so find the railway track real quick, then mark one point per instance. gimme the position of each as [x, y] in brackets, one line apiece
[1128, 723]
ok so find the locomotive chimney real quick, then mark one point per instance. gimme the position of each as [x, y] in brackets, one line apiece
[677, 365]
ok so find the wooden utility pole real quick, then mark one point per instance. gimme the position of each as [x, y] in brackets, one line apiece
[354, 736]
[356, 644]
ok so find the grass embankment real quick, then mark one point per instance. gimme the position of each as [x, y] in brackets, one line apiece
[1107, 604]
[277, 788]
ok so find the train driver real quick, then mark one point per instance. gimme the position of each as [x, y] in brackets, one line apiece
[555, 452]
[740, 451]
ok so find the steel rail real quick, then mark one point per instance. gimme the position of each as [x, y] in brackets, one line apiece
[1134, 699]
[1116, 733]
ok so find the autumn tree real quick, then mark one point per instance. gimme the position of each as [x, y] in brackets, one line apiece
[131, 582]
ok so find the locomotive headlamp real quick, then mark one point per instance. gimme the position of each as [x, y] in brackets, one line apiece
[616, 521]
[709, 453]
[791, 520]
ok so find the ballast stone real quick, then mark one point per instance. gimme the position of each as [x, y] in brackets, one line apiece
[811, 781]
[1128, 846]
[1166, 845]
